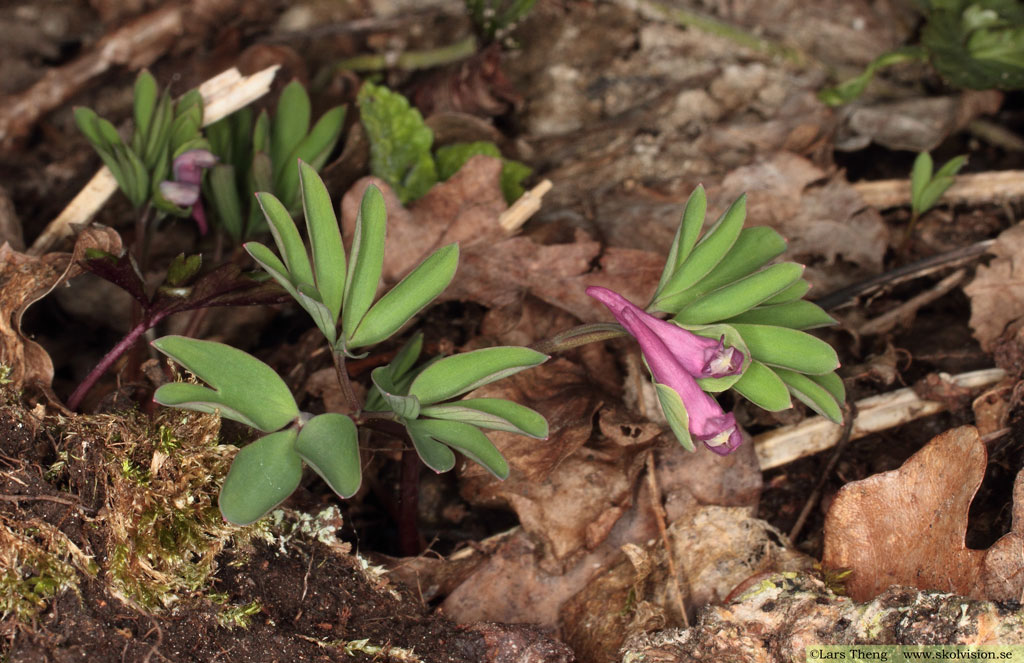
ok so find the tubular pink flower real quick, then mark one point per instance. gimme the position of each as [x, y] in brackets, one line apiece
[183, 191]
[670, 354]
[701, 357]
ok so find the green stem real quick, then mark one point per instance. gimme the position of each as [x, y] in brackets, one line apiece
[410, 60]
[582, 335]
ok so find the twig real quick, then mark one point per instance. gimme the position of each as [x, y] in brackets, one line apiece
[973, 189]
[526, 206]
[222, 95]
[948, 260]
[46, 498]
[409, 60]
[907, 309]
[788, 443]
[837, 452]
[659, 517]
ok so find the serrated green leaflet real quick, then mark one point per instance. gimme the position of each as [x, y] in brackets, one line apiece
[708, 252]
[330, 444]
[811, 394]
[434, 455]
[406, 407]
[762, 387]
[262, 476]
[675, 412]
[366, 260]
[243, 386]
[789, 348]
[686, 236]
[287, 238]
[420, 287]
[461, 373]
[400, 142]
[324, 239]
[463, 438]
[740, 295]
[799, 314]
[492, 413]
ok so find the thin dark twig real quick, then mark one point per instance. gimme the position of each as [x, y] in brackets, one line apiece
[955, 258]
[837, 452]
[46, 498]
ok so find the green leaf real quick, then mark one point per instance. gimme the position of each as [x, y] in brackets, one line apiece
[920, 176]
[834, 384]
[977, 45]
[244, 388]
[463, 438]
[159, 135]
[952, 166]
[325, 321]
[262, 476]
[286, 235]
[329, 443]
[790, 294]
[675, 412]
[812, 394]
[314, 149]
[406, 407]
[420, 287]
[434, 455]
[290, 125]
[789, 348]
[223, 194]
[399, 373]
[762, 387]
[686, 236]
[799, 314]
[324, 238]
[400, 142]
[461, 373]
[366, 260]
[273, 266]
[492, 413]
[144, 103]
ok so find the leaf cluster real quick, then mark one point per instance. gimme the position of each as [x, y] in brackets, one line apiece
[927, 187]
[401, 148]
[721, 284]
[163, 129]
[261, 154]
[974, 44]
[339, 291]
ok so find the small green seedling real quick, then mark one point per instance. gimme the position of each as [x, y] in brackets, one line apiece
[262, 155]
[341, 291]
[926, 188]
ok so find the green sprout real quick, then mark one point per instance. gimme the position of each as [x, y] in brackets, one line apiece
[926, 188]
[262, 155]
[341, 291]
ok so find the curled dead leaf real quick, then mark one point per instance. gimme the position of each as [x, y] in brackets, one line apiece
[997, 291]
[26, 279]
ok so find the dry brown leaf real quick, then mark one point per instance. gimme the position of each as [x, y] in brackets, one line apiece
[907, 526]
[820, 214]
[26, 279]
[1002, 574]
[463, 209]
[997, 291]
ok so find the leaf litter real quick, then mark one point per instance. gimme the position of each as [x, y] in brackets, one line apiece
[595, 123]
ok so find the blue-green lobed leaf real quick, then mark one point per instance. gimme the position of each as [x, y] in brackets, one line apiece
[262, 476]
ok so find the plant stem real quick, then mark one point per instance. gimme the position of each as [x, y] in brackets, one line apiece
[108, 360]
[577, 336]
[408, 505]
[347, 392]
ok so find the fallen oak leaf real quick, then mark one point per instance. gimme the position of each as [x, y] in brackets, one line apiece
[997, 291]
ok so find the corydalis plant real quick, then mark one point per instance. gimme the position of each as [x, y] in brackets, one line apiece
[339, 291]
[735, 321]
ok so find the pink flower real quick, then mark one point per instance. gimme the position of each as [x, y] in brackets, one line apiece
[676, 357]
[183, 191]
